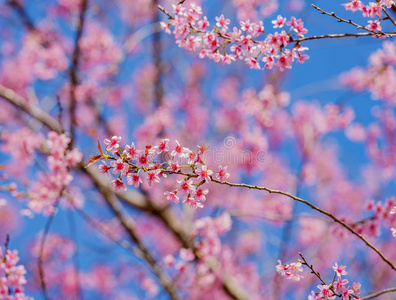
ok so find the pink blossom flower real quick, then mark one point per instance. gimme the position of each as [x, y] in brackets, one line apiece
[340, 270]
[174, 167]
[258, 29]
[142, 160]
[119, 166]
[185, 187]
[153, 177]
[340, 285]
[375, 10]
[113, 142]
[131, 152]
[279, 22]
[353, 5]
[325, 292]
[193, 202]
[104, 168]
[246, 26]
[290, 270]
[221, 22]
[227, 59]
[134, 178]
[162, 146]
[203, 24]
[280, 268]
[118, 184]
[171, 196]
[200, 194]
[284, 62]
[222, 173]
[180, 151]
[204, 173]
[374, 25]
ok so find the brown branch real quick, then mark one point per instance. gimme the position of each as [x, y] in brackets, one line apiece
[136, 200]
[165, 12]
[20, 10]
[272, 191]
[312, 269]
[128, 225]
[389, 17]
[315, 37]
[343, 35]
[104, 230]
[156, 53]
[343, 224]
[19, 102]
[375, 295]
[73, 71]
[339, 19]
[42, 244]
[132, 198]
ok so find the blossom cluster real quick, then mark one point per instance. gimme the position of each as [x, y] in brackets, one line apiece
[45, 192]
[207, 233]
[132, 163]
[338, 288]
[372, 10]
[217, 42]
[385, 212]
[12, 276]
[379, 75]
[290, 271]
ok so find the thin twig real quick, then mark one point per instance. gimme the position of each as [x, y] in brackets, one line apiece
[126, 223]
[73, 71]
[335, 219]
[375, 295]
[72, 229]
[60, 114]
[156, 53]
[339, 19]
[312, 269]
[26, 20]
[19, 102]
[389, 17]
[42, 244]
[272, 191]
[165, 12]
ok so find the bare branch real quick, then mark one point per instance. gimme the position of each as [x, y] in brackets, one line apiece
[312, 269]
[26, 20]
[343, 224]
[339, 19]
[73, 71]
[19, 102]
[128, 225]
[389, 17]
[42, 244]
[375, 295]
[165, 12]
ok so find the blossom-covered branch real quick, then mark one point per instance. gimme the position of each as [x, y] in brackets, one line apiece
[131, 162]
[194, 33]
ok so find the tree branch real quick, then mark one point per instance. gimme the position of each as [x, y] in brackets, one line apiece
[126, 223]
[19, 102]
[73, 71]
[375, 295]
[20, 10]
